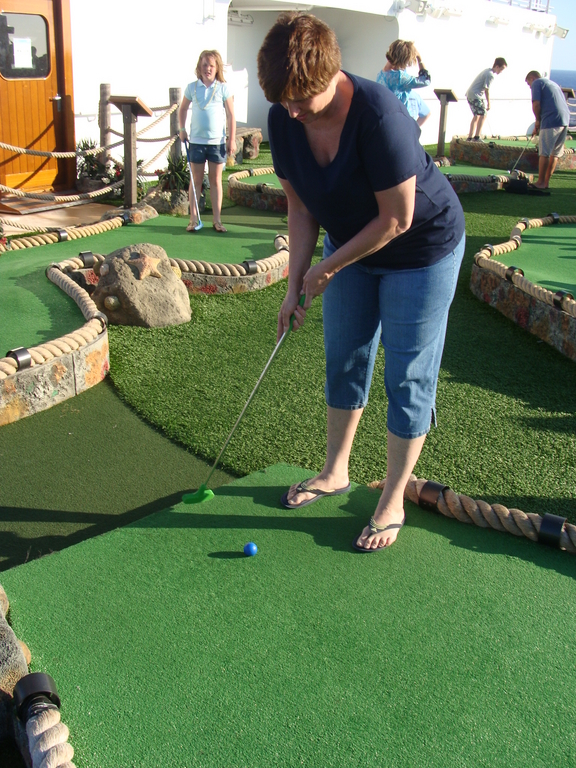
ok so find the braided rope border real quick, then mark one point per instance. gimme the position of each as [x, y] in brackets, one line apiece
[487, 140]
[236, 185]
[484, 515]
[193, 266]
[485, 260]
[88, 152]
[47, 237]
[58, 274]
[99, 192]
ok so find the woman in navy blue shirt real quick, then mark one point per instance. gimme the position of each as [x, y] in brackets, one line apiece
[348, 156]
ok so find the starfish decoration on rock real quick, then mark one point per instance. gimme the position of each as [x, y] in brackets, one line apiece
[146, 266]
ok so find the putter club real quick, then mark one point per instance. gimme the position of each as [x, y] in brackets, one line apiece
[199, 225]
[520, 156]
[204, 493]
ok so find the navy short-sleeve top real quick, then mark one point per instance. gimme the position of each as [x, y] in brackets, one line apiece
[379, 149]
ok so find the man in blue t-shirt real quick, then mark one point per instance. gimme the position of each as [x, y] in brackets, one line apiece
[552, 120]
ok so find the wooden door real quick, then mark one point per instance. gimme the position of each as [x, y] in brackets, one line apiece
[36, 98]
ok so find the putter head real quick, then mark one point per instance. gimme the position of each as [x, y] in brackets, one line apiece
[198, 226]
[202, 494]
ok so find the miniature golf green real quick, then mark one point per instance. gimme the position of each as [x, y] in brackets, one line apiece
[171, 648]
[522, 142]
[547, 256]
[462, 169]
[34, 310]
[271, 180]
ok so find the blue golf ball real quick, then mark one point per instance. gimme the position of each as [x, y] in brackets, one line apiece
[250, 549]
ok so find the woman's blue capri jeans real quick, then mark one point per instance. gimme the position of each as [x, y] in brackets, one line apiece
[408, 310]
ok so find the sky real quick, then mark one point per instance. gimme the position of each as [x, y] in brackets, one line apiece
[564, 51]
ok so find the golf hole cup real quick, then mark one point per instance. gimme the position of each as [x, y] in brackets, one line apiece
[250, 549]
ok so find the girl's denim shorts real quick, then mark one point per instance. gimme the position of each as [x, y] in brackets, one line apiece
[408, 310]
[214, 153]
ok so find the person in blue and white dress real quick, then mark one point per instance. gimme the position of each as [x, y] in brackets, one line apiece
[400, 55]
[212, 131]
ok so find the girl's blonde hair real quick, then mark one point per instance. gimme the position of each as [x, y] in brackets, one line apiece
[402, 53]
[219, 65]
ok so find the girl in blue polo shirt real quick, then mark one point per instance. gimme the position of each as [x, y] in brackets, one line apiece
[212, 112]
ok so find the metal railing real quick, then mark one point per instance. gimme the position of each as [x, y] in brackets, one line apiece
[542, 6]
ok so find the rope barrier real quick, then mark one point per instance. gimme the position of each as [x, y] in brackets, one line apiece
[20, 225]
[194, 266]
[162, 151]
[48, 741]
[484, 515]
[86, 195]
[74, 233]
[164, 138]
[94, 150]
[63, 198]
[94, 326]
[485, 260]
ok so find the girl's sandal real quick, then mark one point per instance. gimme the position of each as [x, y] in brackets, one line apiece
[219, 227]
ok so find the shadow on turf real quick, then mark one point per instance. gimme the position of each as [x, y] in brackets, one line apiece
[497, 355]
[338, 532]
[20, 549]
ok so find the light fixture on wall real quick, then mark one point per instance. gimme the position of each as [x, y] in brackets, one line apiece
[560, 32]
[426, 8]
[239, 19]
[287, 7]
[496, 20]
[539, 28]
[209, 10]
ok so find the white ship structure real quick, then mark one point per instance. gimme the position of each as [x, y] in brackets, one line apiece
[144, 54]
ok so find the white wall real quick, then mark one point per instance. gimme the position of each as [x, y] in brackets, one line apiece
[363, 37]
[144, 53]
[140, 50]
[455, 49]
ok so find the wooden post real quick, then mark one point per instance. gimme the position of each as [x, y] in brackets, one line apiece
[130, 161]
[104, 124]
[176, 148]
[131, 107]
[445, 96]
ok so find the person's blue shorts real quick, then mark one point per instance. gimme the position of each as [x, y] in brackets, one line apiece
[408, 310]
[214, 153]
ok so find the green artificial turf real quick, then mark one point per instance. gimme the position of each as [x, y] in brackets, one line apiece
[34, 310]
[171, 648]
[506, 401]
[548, 256]
[82, 468]
[271, 180]
[569, 144]
[462, 169]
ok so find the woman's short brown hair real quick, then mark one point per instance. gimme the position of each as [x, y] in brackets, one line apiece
[299, 57]
[402, 53]
[219, 65]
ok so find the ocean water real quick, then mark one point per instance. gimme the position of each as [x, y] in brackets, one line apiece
[567, 79]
